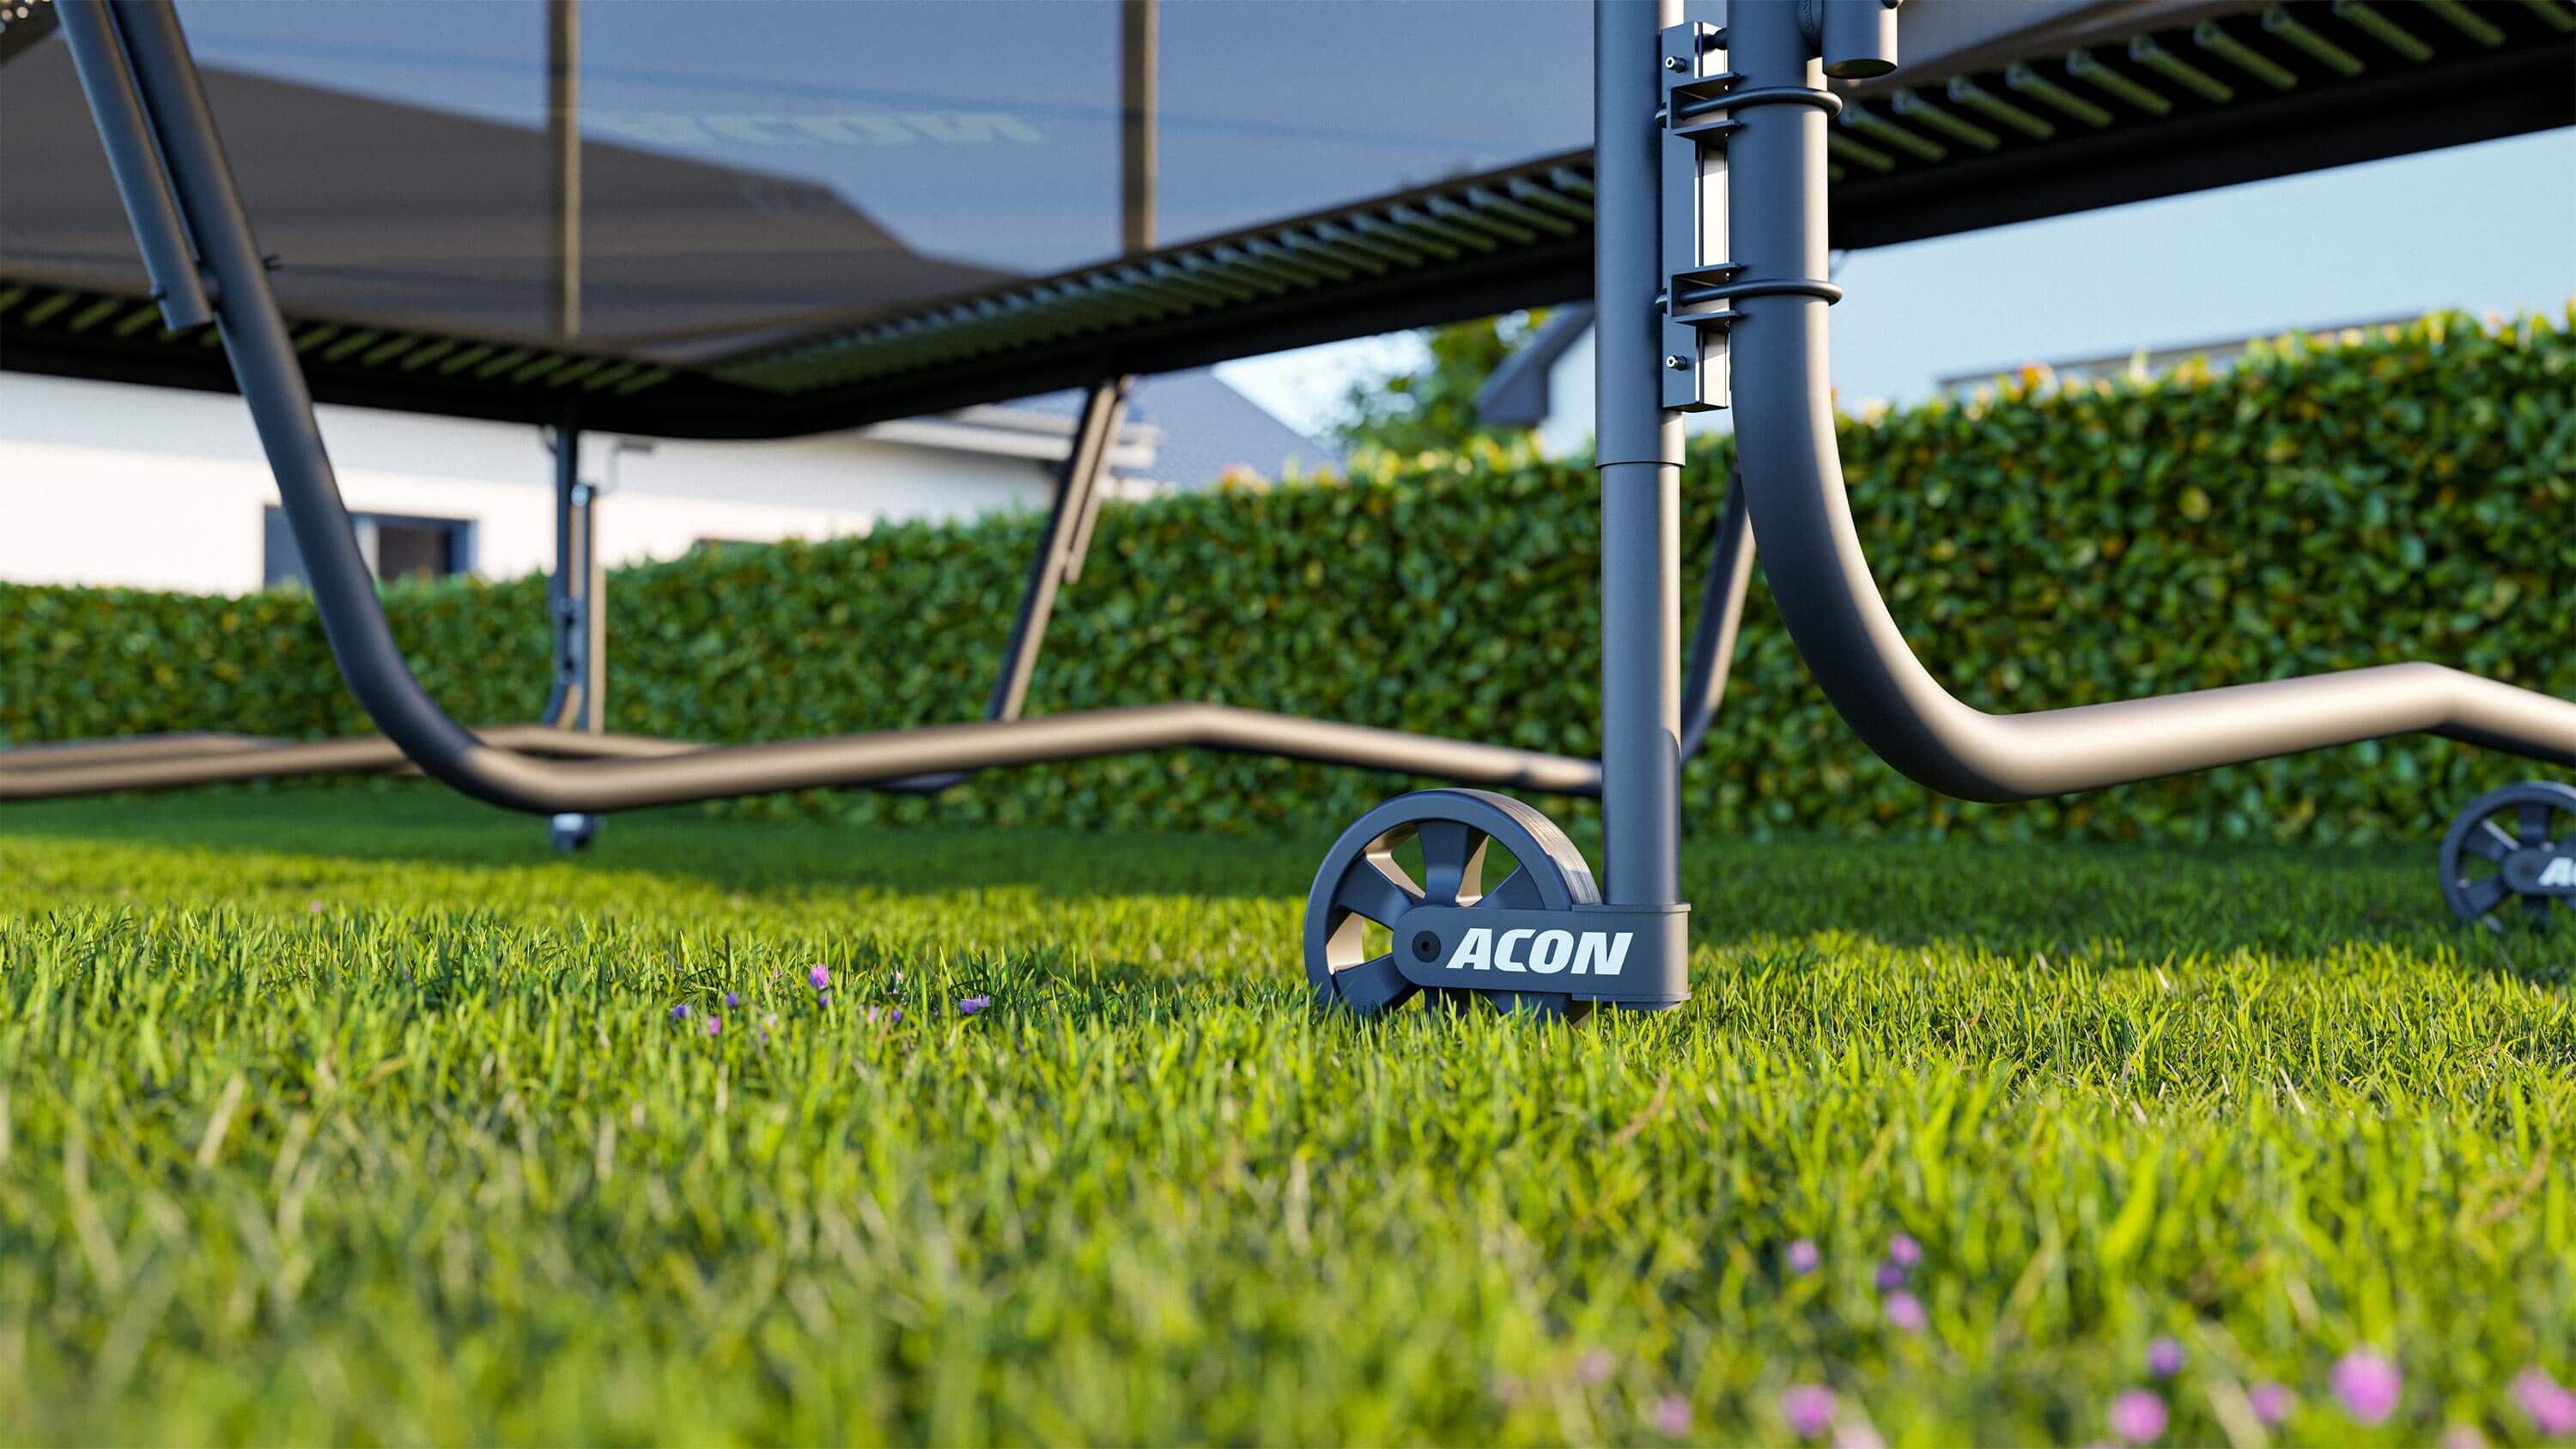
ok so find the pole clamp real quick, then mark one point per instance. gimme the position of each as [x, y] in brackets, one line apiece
[1701, 101]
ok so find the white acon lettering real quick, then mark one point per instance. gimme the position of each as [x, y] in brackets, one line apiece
[2561, 872]
[1475, 951]
[1589, 953]
[1602, 953]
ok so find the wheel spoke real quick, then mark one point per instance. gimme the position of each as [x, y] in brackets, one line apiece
[1367, 890]
[2537, 908]
[1373, 985]
[2533, 817]
[1453, 860]
[2483, 896]
[1517, 892]
[2490, 841]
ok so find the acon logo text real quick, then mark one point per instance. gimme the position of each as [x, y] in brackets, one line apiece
[2561, 872]
[1582, 953]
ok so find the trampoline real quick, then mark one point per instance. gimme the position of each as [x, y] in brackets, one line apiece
[747, 221]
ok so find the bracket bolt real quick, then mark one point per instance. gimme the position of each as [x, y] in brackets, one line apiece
[1677, 364]
[1673, 62]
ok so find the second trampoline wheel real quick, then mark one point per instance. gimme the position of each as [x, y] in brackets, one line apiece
[2514, 845]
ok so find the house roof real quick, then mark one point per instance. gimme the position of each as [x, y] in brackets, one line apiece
[1203, 430]
[1516, 396]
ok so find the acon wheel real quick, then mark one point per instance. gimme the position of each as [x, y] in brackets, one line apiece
[1435, 847]
[2517, 844]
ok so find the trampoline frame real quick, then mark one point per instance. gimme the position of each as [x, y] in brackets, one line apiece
[179, 194]
[1675, 303]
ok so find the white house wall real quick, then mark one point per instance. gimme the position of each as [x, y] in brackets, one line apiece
[110, 484]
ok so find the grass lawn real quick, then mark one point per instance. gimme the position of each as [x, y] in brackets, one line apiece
[359, 1116]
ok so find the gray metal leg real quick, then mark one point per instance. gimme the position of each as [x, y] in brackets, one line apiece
[577, 603]
[1721, 614]
[577, 597]
[1076, 496]
[1639, 447]
[1058, 559]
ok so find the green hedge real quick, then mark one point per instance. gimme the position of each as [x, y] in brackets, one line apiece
[2332, 502]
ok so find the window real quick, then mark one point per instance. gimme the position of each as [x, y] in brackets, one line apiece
[395, 547]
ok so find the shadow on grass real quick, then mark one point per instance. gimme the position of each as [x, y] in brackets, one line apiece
[2146, 903]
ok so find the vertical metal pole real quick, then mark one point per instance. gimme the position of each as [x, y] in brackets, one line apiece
[576, 596]
[563, 145]
[1137, 161]
[1639, 448]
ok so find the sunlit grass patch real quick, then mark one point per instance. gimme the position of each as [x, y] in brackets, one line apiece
[363, 1118]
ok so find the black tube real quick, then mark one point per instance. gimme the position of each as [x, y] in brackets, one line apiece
[1821, 580]
[90, 29]
[1085, 466]
[1721, 613]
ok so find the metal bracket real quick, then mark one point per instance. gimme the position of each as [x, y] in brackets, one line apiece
[1692, 58]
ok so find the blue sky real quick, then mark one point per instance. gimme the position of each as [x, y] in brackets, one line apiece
[2486, 227]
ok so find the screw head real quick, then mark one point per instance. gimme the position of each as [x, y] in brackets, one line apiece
[1426, 946]
[1672, 62]
[1677, 364]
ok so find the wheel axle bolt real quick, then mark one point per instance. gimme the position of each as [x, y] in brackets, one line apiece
[1426, 947]
[1676, 363]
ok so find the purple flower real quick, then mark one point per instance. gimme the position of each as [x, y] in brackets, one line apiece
[821, 976]
[2137, 1417]
[973, 1004]
[2367, 1384]
[1803, 1257]
[2272, 1402]
[1809, 1408]
[1596, 1366]
[1890, 1277]
[1903, 1251]
[680, 1012]
[715, 1025]
[1906, 1311]
[2551, 1405]
[1672, 1416]
[2164, 1358]
[314, 906]
[893, 1014]
[732, 1000]
[2463, 1436]
[822, 998]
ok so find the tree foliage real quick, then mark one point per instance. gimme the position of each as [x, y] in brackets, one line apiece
[1433, 406]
